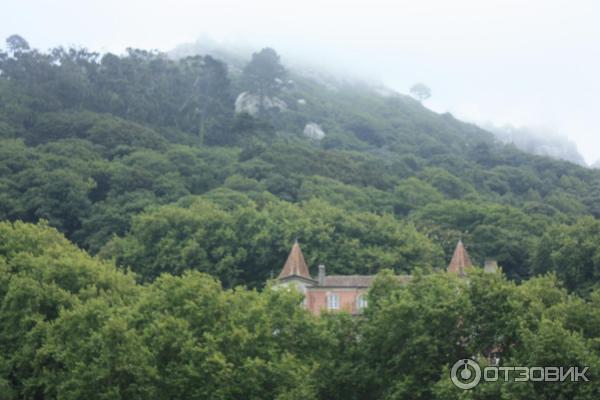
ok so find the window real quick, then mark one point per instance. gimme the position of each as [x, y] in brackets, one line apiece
[333, 301]
[361, 302]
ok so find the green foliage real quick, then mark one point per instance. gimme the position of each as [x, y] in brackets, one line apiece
[73, 326]
[415, 333]
[175, 239]
[262, 74]
[412, 194]
[139, 158]
[249, 241]
[411, 333]
[41, 273]
[571, 251]
[90, 141]
[491, 230]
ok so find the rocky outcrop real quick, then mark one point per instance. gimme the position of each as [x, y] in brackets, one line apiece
[250, 103]
[312, 130]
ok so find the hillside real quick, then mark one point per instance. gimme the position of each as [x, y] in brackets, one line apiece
[143, 158]
[146, 201]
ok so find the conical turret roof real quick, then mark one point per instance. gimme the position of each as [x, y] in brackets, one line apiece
[460, 260]
[295, 264]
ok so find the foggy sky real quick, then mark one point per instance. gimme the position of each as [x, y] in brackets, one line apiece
[527, 62]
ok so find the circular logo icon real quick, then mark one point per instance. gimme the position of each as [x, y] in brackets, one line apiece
[465, 374]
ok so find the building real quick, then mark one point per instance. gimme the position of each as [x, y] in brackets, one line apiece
[333, 292]
[344, 292]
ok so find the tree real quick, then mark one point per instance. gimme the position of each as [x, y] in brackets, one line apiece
[262, 73]
[174, 239]
[420, 91]
[412, 332]
[208, 102]
[42, 275]
[413, 193]
[245, 244]
[572, 252]
[16, 43]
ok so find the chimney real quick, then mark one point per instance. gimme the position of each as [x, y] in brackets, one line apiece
[490, 266]
[321, 275]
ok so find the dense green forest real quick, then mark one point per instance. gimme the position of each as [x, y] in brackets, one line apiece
[77, 327]
[176, 210]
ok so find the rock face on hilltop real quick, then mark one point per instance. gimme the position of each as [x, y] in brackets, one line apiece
[312, 130]
[250, 103]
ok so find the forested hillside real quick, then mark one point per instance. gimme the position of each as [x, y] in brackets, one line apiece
[143, 216]
[109, 148]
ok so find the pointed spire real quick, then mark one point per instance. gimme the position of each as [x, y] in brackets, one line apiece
[295, 264]
[460, 260]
